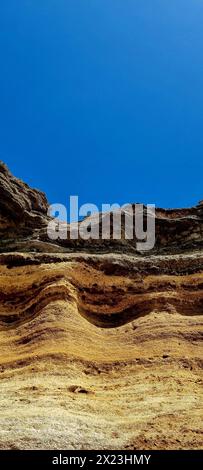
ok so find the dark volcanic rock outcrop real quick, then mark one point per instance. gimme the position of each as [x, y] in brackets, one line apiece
[101, 346]
[19, 202]
[23, 218]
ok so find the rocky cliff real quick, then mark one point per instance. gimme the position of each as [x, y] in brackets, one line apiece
[100, 345]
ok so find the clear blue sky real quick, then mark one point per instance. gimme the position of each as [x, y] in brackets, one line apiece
[104, 98]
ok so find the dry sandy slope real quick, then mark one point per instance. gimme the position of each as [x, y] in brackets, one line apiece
[67, 383]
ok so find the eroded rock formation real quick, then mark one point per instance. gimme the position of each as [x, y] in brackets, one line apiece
[101, 346]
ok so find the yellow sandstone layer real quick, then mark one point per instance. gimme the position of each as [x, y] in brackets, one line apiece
[99, 350]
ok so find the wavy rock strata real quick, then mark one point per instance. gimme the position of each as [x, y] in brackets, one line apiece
[100, 346]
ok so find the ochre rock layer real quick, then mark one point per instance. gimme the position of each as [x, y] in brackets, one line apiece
[100, 346]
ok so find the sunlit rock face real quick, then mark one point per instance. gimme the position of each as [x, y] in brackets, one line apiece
[100, 346]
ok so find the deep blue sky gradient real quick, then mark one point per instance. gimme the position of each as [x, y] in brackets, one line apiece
[104, 98]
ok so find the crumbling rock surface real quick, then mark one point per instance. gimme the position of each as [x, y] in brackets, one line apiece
[100, 346]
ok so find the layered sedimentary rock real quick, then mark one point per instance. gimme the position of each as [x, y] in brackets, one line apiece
[100, 345]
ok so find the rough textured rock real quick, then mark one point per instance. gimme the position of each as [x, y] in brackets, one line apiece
[101, 346]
